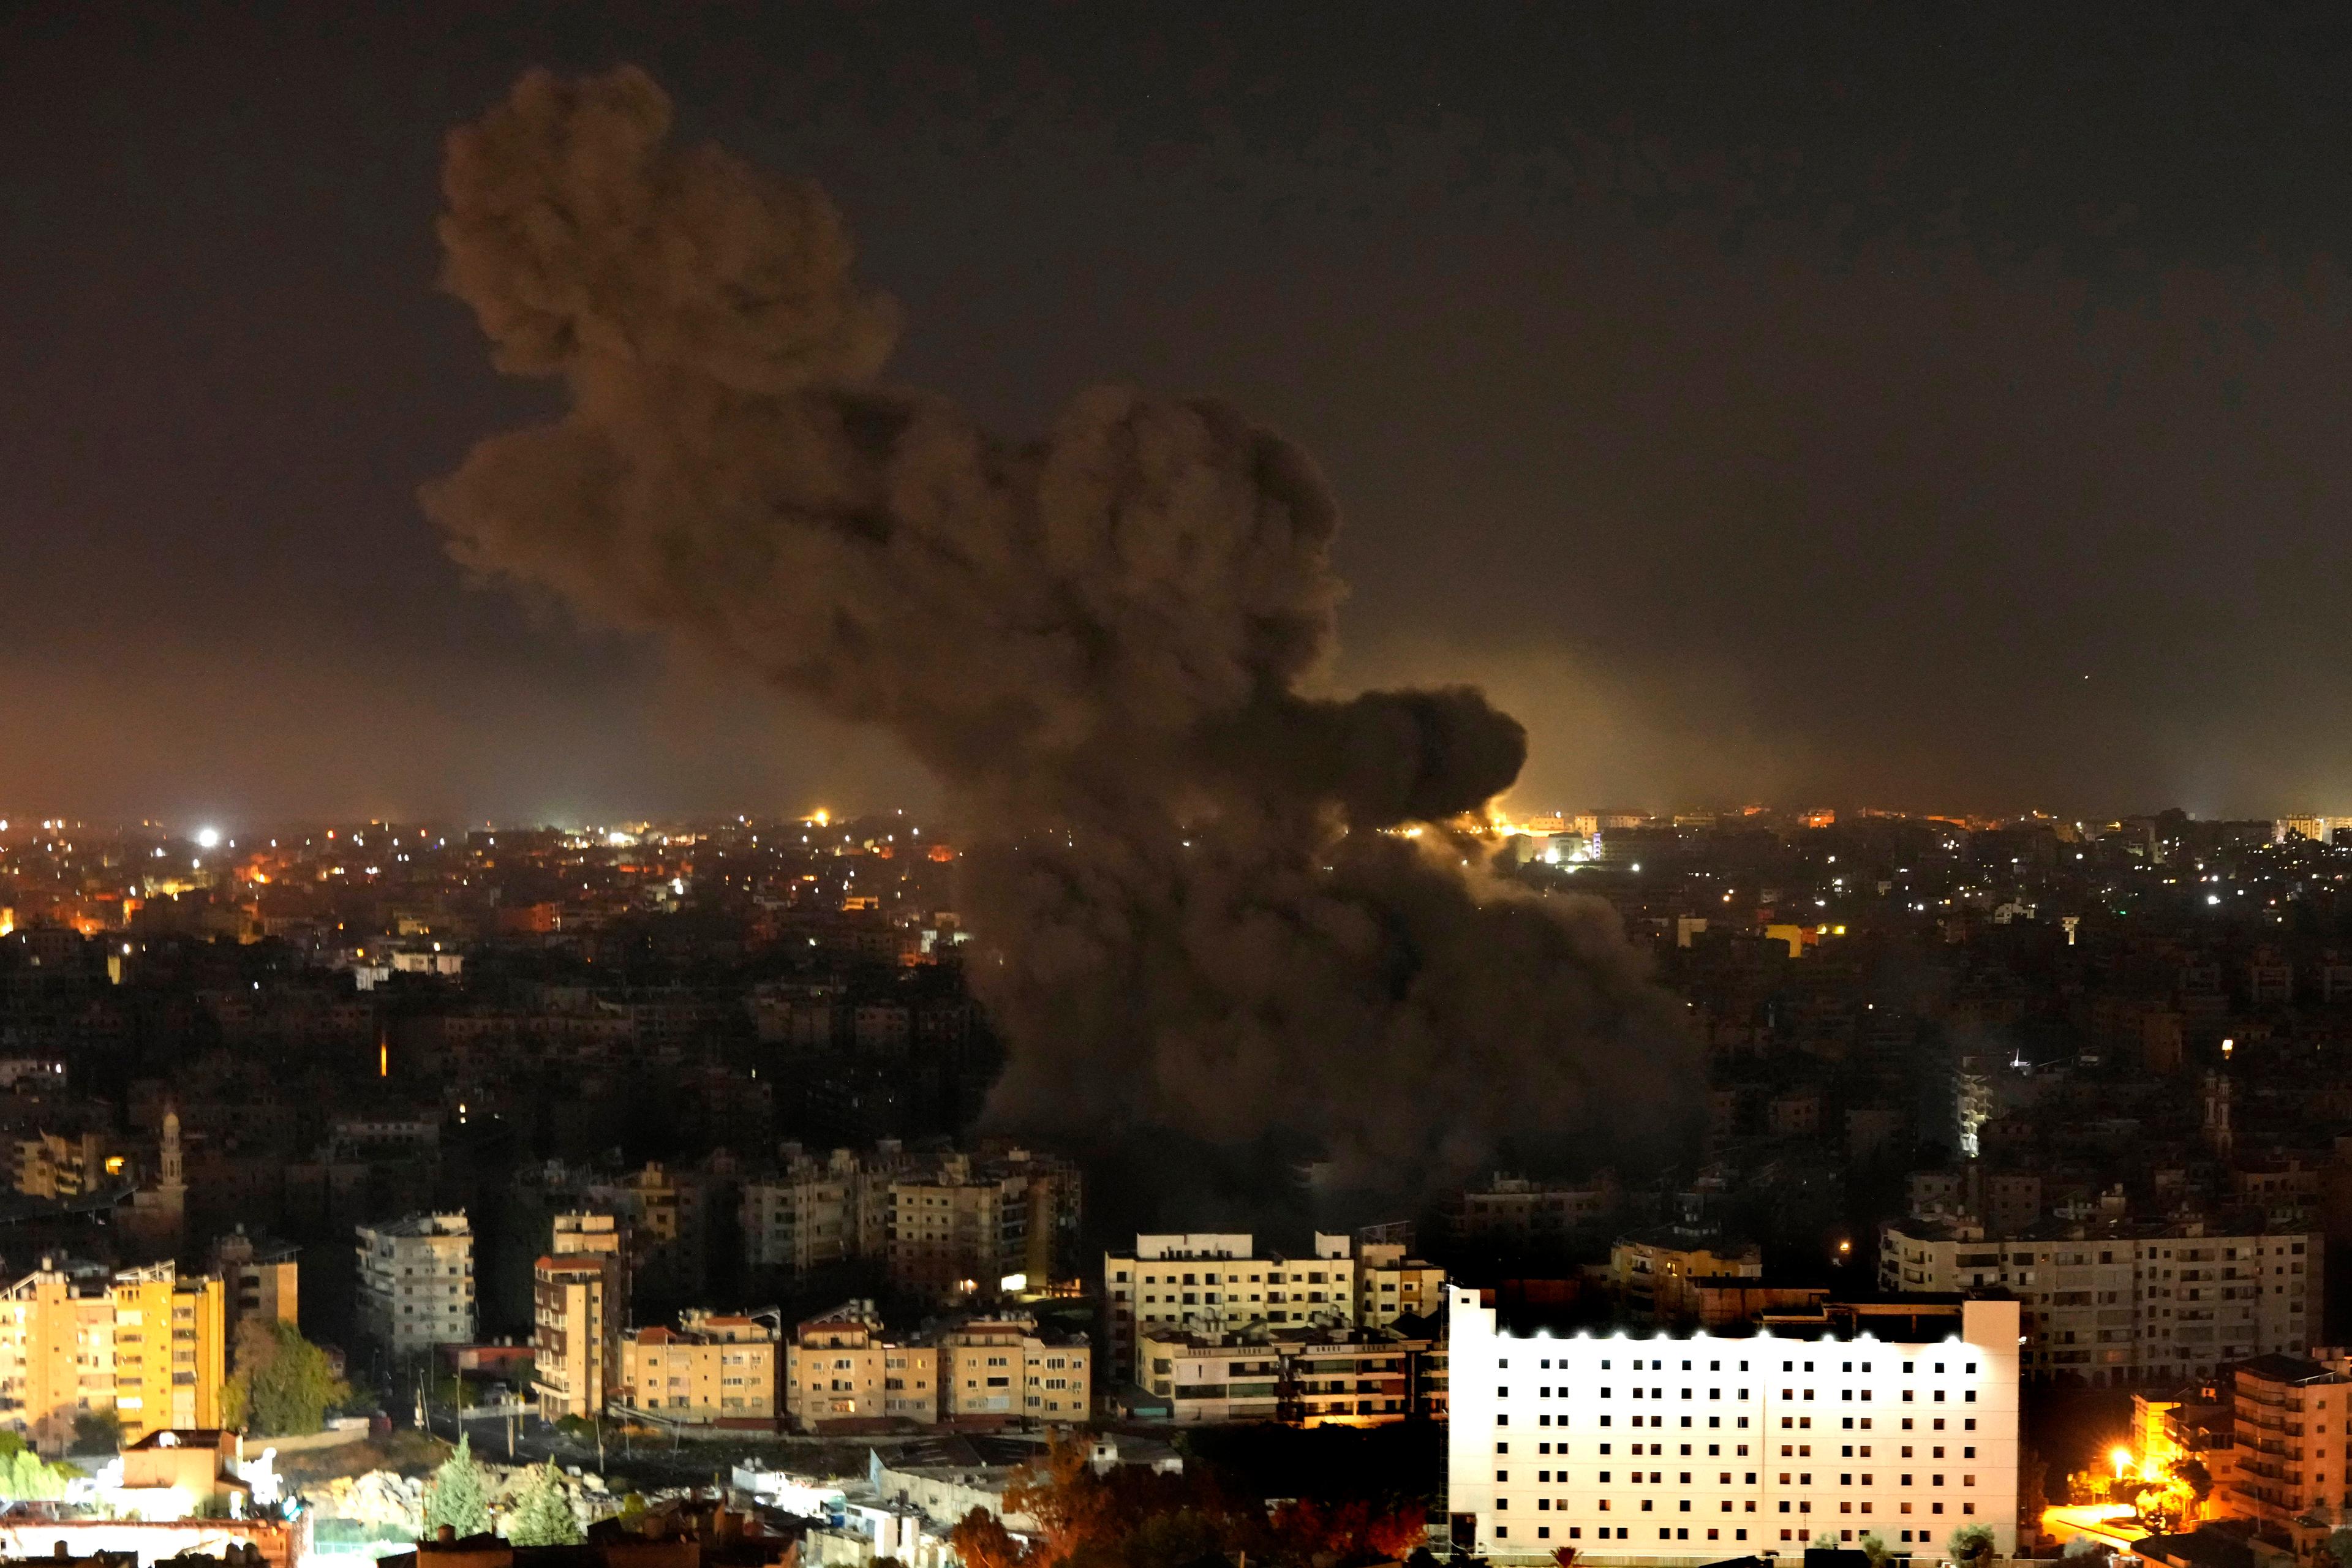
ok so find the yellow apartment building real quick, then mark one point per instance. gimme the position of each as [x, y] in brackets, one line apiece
[144, 1344]
[709, 1371]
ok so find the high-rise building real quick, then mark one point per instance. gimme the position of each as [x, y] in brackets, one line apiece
[1897, 1423]
[416, 1283]
[575, 1335]
[145, 1346]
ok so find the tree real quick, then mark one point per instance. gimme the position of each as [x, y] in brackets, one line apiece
[542, 1513]
[1875, 1548]
[2340, 1545]
[1130, 1517]
[459, 1496]
[1354, 1527]
[23, 1475]
[1969, 1542]
[981, 1540]
[284, 1385]
[1058, 1492]
[1824, 1541]
[96, 1431]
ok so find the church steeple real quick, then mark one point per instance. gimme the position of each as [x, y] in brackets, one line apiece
[171, 1173]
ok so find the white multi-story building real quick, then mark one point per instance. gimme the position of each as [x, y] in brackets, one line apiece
[1218, 1283]
[1709, 1446]
[2120, 1302]
[416, 1283]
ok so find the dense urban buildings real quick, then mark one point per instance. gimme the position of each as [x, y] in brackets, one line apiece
[668, 1136]
[1238, 1116]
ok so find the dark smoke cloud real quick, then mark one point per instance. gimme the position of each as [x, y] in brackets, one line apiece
[1096, 639]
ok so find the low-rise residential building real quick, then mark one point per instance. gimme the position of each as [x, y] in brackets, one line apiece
[712, 1370]
[840, 1367]
[259, 1279]
[2122, 1301]
[62, 1166]
[1896, 1424]
[1657, 1276]
[2194, 1421]
[1354, 1377]
[416, 1283]
[1219, 1283]
[1007, 1369]
[1391, 1285]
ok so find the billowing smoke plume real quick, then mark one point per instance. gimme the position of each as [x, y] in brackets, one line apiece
[1189, 918]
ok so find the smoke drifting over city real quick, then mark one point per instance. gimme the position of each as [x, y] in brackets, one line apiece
[1187, 915]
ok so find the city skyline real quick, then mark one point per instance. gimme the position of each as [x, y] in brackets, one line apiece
[1264, 786]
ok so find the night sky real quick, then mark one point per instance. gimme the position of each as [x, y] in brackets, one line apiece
[1838, 405]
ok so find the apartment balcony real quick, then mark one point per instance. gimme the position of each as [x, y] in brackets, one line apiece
[2279, 1472]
